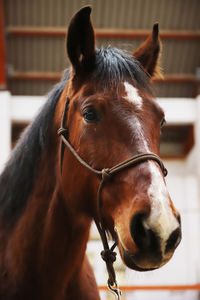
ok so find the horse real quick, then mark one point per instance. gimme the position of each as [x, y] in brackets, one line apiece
[99, 126]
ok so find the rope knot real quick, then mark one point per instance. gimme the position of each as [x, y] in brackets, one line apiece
[62, 130]
[108, 256]
[165, 172]
[105, 173]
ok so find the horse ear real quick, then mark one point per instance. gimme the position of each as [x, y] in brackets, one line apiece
[148, 53]
[80, 39]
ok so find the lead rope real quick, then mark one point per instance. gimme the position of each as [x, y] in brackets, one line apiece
[108, 254]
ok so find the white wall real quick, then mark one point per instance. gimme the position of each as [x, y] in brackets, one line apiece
[5, 127]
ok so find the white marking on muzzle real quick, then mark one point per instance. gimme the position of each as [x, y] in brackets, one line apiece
[161, 219]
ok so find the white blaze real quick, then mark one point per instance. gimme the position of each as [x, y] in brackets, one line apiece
[161, 219]
[132, 95]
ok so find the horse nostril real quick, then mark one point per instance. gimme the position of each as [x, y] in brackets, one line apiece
[144, 238]
[173, 240]
[137, 229]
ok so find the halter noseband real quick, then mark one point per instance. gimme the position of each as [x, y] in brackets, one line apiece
[108, 254]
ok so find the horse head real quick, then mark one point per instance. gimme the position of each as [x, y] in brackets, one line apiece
[112, 117]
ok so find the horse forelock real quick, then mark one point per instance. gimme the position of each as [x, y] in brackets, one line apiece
[113, 66]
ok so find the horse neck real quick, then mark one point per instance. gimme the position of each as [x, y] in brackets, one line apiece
[50, 237]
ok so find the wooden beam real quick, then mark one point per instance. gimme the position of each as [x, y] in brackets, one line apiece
[127, 288]
[177, 78]
[103, 33]
[55, 76]
[189, 140]
[46, 76]
[36, 31]
[177, 135]
[142, 34]
[3, 83]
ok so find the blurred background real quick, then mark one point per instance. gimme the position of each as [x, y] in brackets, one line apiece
[32, 59]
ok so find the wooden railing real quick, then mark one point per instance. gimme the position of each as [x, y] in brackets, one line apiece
[55, 76]
[127, 288]
[103, 33]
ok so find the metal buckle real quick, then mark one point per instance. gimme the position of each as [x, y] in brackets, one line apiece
[115, 290]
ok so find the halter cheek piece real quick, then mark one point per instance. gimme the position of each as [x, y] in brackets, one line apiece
[108, 254]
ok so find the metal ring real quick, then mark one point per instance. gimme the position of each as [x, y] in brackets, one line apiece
[115, 290]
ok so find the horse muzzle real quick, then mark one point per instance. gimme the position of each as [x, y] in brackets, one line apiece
[144, 249]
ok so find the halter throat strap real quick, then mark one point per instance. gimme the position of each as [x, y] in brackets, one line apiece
[105, 175]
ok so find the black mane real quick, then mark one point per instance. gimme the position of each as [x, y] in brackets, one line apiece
[19, 174]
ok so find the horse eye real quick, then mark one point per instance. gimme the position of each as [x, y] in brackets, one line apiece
[163, 122]
[90, 115]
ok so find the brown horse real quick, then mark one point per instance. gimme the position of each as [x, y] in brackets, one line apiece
[48, 199]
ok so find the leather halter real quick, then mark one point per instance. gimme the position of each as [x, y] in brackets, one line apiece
[108, 255]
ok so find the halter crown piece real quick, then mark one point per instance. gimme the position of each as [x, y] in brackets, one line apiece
[108, 254]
